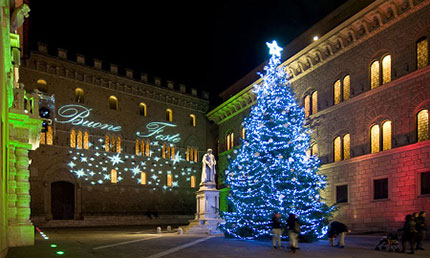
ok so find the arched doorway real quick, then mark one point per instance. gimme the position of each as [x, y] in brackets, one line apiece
[62, 200]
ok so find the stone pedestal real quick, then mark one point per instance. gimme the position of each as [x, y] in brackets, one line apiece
[207, 213]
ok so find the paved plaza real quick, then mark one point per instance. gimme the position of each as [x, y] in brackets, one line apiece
[143, 242]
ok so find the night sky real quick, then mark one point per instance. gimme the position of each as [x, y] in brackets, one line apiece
[207, 44]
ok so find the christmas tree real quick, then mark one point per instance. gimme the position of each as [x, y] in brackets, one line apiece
[273, 170]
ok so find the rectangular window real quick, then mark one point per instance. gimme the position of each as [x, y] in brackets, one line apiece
[341, 193]
[307, 105]
[380, 189]
[346, 87]
[337, 145]
[422, 53]
[346, 146]
[142, 178]
[314, 102]
[425, 183]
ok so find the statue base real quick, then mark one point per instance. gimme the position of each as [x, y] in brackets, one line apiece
[207, 214]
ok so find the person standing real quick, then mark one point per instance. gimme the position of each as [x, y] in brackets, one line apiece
[293, 232]
[277, 230]
[337, 229]
[421, 230]
[409, 233]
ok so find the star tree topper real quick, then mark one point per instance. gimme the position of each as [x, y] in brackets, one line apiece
[274, 48]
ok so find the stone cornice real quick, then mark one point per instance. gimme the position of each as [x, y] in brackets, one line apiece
[85, 74]
[376, 17]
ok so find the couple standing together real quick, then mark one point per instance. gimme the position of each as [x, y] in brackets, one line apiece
[293, 231]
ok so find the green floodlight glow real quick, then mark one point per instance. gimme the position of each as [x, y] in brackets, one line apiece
[53, 245]
[60, 252]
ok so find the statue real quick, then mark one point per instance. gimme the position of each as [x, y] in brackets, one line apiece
[18, 16]
[208, 169]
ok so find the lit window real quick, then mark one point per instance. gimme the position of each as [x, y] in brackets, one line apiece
[43, 138]
[314, 102]
[243, 133]
[169, 179]
[46, 136]
[314, 149]
[163, 151]
[374, 139]
[142, 109]
[386, 69]
[118, 144]
[423, 125]
[193, 120]
[147, 149]
[107, 143]
[142, 178]
[346, 87]
[79, 140]
[137, 147]
[196, 156]
[113, 176]
[337, 146]
[79, 95]
[374, 75]
[337, 92]
[307, 105]
[422, 53]
[112, 143]
[172, 152]
[188, 154]
[42, 82]
[86, 143]
[230, 141]
[113, 103]
[386, 135]
[169, 115]
[346, 146]
[73, 139]
[193, 181]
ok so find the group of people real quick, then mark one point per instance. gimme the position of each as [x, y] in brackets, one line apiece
[414, 231]
[293, 231]
[335, 229]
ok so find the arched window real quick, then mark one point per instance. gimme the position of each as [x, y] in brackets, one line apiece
[79, 95]
[42, 85]
[374, 75]
[112, 145]
[73, 139]
[169, 115]
[142, 178]
[118, 144]
[422, 52]
[346, 146]
[311, 104]
[148, 153]
[314, 102]
[386, 69]
[113, 103]
[346, 87]
[386, 135]
[193, 120]
[374, 139]
[314, 149]
[142, 109]
[42, 82]
[243, 133]
[46, 136]
[107, 143]
[113, 176]
[196, 155]
[337, 147]
[172, 152]
[423, 125]
[337, 92]
[137, 148]
[229, 139]
[307, 105]
[79, 140]
[169, 180]
[86, 142]
[188, 154]
[193, 181]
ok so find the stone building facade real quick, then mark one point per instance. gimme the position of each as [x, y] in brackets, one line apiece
[114, 149]
[365, 89]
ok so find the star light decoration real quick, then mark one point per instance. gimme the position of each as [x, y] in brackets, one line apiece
[274, 49]
[94, 165]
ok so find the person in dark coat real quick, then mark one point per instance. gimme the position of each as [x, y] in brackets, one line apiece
[421, 230]
[293, 232]
[335, 228]
[409, 233]
[277, 230]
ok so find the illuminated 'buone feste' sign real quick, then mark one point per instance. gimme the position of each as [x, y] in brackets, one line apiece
[76, 114]
[156, 128]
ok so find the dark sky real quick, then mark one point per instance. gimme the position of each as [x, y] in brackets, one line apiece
[206, 44]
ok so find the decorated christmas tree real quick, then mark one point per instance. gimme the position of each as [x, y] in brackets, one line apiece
[273, 170]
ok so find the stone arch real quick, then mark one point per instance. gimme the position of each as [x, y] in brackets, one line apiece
[55, 173]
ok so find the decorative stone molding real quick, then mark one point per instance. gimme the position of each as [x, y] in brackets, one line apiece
[51, 65]
[376, 17]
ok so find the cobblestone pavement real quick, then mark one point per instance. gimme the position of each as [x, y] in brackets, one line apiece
[140, 242]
